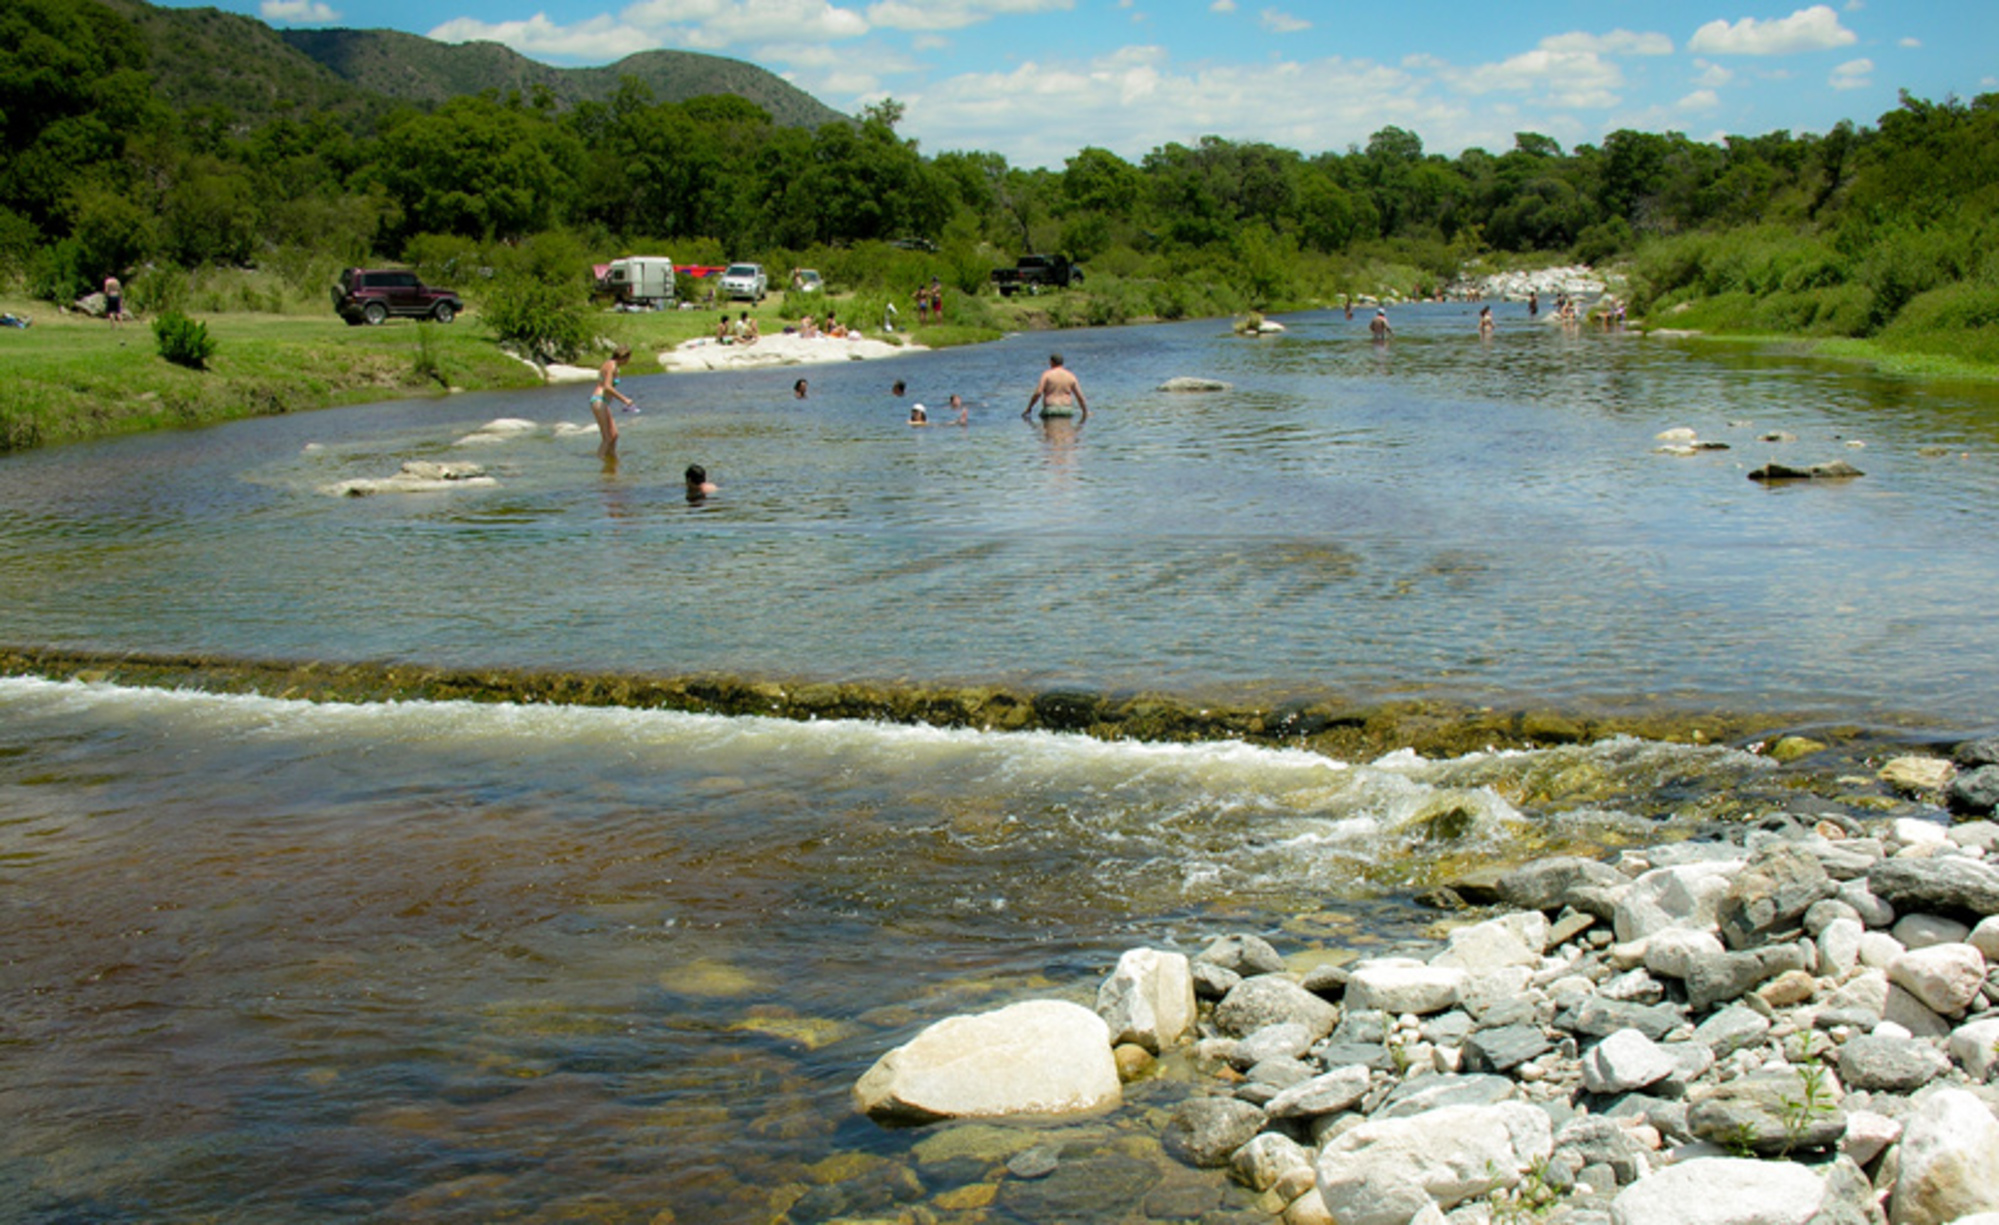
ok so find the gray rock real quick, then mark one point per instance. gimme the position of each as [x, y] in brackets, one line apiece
[1367, 1054]
[1595, 1140]
[1547, 884]
[1680, 895]
[1976, 1046]
[1426, 1093]
[1920, 931]
[1362, 1026]
[1946, 884]
[1329, 1093]
[1825, 911]
[1892, 1065]
[1187, 382]
[1400, 985]
[1279, 1074]
[1245, 954]
[1037, 1162]
[1732, 1029]
[1327, 982]
[1268, 1158]
[1715, 980]
[1873, 911]
[1271, 999]
[1972, 754]
[1599, 1018]
[1770, 1113]
[1505, 1048]
[1975, 792]
[1982, 836]
[1289, 1040]
[1212, 982]
[1769, 897]
[1205, 1132]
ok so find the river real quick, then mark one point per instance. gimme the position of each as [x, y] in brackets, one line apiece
[270, 958]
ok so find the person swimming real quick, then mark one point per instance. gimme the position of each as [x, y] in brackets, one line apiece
[919, 415]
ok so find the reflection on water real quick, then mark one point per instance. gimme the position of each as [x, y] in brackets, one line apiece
[1501, 524]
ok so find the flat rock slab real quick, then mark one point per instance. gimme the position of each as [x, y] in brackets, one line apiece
[1040, 1057]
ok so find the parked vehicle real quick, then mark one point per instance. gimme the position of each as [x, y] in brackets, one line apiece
[1033, 272]
[745, 282]
[373, 295]
[641, 281]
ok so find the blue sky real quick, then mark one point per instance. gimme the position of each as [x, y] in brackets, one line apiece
[1037, 80]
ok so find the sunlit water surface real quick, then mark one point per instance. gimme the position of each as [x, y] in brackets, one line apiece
[267, 960]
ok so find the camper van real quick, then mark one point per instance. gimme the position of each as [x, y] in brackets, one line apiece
[641, 281]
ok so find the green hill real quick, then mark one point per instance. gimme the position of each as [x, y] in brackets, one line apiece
[206, 57]
[418, 70]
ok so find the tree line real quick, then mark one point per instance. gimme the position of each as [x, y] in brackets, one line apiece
[1838, 233]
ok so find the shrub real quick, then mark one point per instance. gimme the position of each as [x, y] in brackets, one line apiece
[183, 341]
[56, 273]
[548, 320]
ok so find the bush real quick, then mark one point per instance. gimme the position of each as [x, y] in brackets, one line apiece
[547, 320]
[183, 341]
[56, 273]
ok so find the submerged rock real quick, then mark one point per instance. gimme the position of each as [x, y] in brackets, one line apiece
[1189, 383]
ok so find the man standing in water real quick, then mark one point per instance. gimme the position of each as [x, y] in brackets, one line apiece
[1378, 326]
[1059, 393]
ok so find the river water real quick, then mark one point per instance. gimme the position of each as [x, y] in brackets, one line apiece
[264, 958]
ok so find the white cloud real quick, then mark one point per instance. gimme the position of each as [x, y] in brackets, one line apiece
[1282, 23]
[1699, 100]
[1574, 79]
[1712, 76]
[954, 14]
[1617, 42]
[1811, 29]
[299, 11]
[599, 38]
[715, 24]
[1911, 43]
[1854, 74]
[1028, 112]
[1222, 6]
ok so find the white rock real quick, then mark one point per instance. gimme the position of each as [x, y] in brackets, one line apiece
[1400, 984]
[1839, 947]
[1949, 1161]
[1976, 1047]
[1511, 940]
[1945, 977]
[1878, 950]
[1148, 999]
[1309, 1209]
[1920, 931]
[1985, 937]
[1684, 895]
[1721, 1191]
[1040, 1057]
[1917, 774]
[703, 353]
[1384, 1171]
[1624, 1061]
[1268, 1159]
[1868, 1135]
[1672, 951]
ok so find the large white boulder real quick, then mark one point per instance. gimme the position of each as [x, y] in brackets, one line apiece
[1510, 940]
[1945, 977]
[1949, 1161]
[1721, 1191]
[1400, 984]
[1040, 1057]
[1683, 895]
[1148, 999]
[1385, 1171]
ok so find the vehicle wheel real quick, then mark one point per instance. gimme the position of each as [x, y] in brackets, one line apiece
[444, 313]
[375, 314]
[1006, 291]
[1075, 278]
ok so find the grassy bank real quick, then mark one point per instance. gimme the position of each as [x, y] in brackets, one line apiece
[70, 377]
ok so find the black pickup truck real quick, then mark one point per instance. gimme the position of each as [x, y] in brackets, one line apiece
[1035, 271]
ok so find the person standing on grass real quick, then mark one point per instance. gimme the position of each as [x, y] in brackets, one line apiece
[114, 300]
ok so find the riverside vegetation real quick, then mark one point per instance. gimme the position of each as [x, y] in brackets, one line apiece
[125, 153]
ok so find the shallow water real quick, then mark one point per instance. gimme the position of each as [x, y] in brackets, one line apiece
[282, 960]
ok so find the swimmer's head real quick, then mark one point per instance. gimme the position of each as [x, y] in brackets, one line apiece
[696, 474]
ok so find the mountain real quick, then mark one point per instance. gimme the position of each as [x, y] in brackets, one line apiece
[206, 57]
[409, 68]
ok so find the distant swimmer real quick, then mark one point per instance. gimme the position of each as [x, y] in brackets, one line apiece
[958, 406]
[1378, 326]
[698, 484]
[1059, 394]
[1485, 324]
[798, 389]
[607, 388]
[919, 415]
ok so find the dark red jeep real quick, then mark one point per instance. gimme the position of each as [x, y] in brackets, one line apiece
[371, 295]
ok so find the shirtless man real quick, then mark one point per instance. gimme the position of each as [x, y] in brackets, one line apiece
[1378, 326]
[1059, 393]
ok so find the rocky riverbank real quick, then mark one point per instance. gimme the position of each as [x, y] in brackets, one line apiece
[1794, 1026]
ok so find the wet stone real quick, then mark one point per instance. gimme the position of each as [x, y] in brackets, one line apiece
[1037, 1162]
[1091, 1189]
